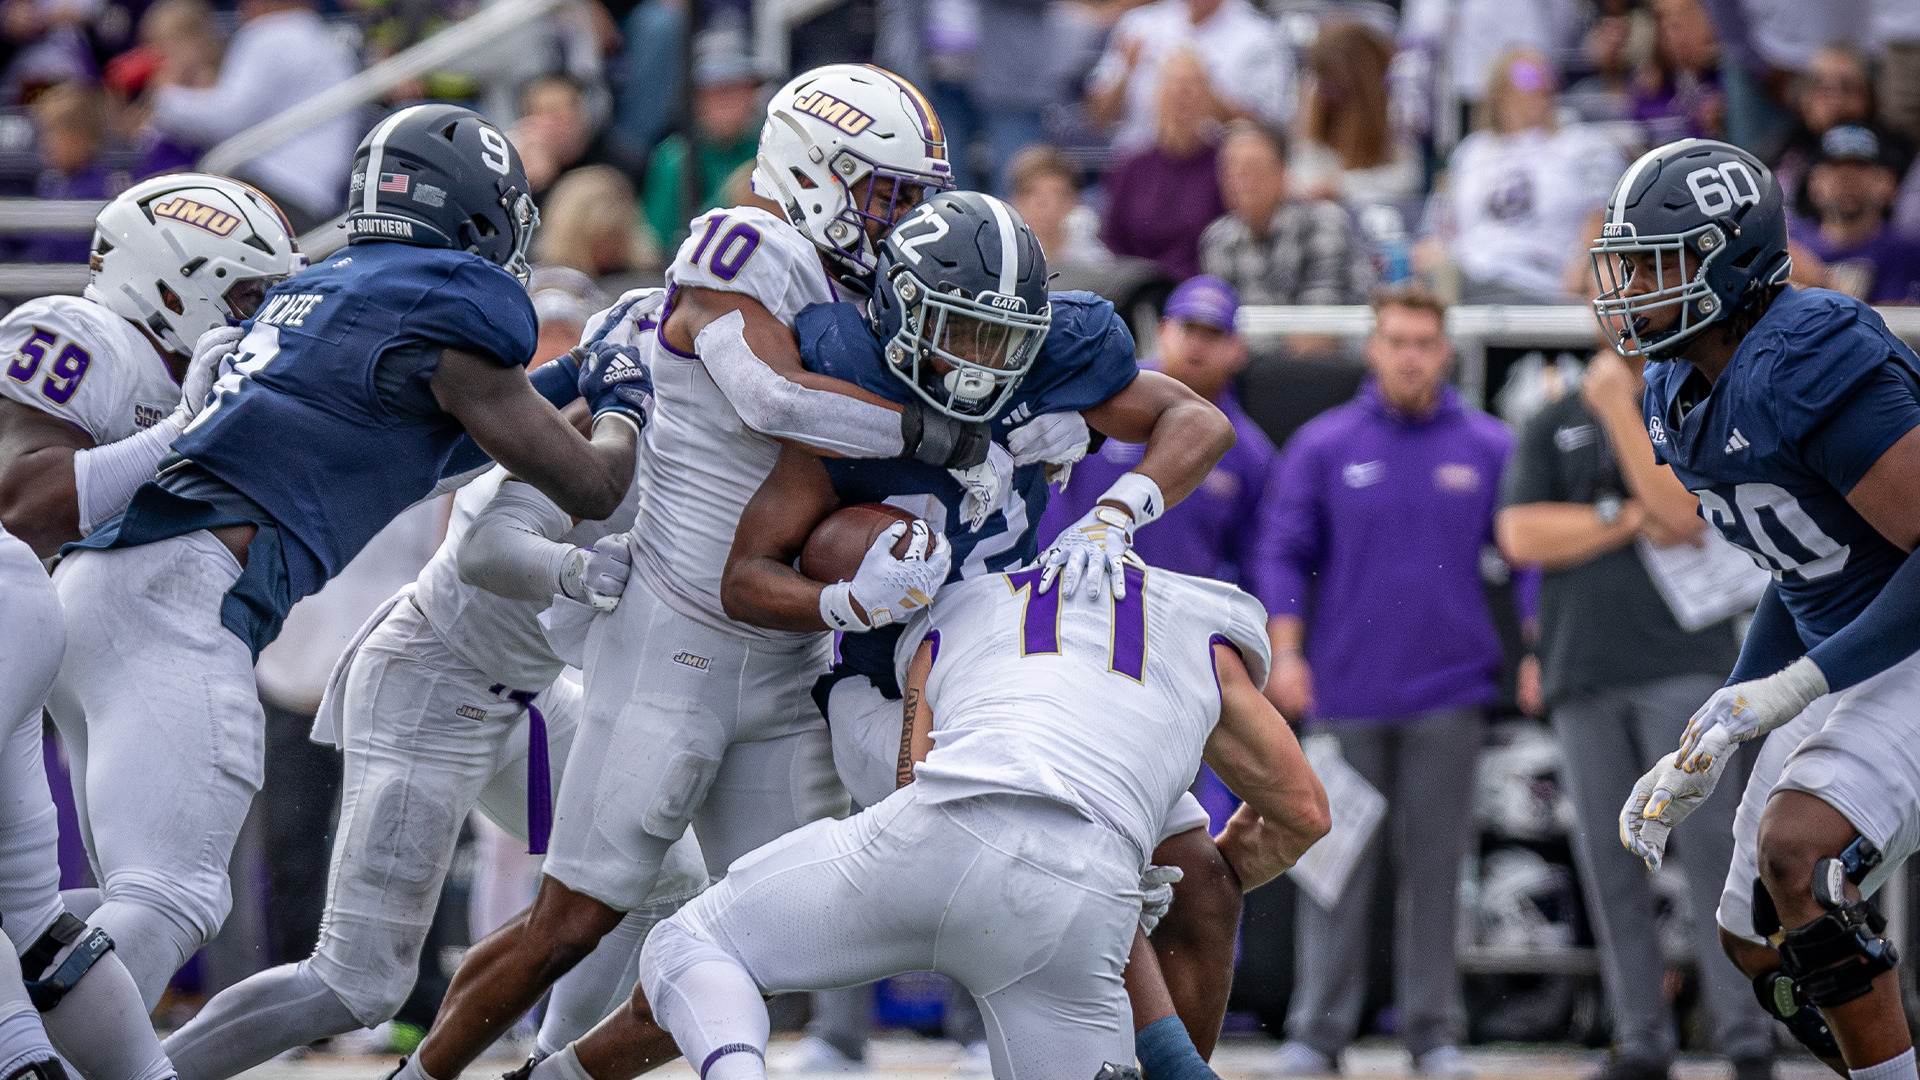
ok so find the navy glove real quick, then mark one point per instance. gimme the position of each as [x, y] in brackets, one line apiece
[613, 379]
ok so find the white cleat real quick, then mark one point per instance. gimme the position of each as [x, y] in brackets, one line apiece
[977, 1061]
[1298, 1059]
[814, 1056]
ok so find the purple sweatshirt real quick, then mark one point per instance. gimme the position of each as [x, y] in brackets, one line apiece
[1390, 515]
[1210, 532]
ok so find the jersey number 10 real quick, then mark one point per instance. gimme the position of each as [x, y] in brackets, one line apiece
[1040, 622]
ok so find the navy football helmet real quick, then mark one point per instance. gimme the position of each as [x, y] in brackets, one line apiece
[1706, 219]
[962, 302]
[442, 176]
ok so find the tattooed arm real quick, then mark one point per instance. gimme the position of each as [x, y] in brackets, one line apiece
[916, 717]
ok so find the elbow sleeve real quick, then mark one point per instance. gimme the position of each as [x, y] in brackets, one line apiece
[509, 550]
[773, 405]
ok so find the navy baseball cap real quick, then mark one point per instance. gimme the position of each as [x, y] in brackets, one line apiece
[1852, 142]
[1204, 299]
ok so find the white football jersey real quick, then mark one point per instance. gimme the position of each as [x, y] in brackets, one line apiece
[74, 359]
[1103, 704]
[1519, 201]
[699, 462]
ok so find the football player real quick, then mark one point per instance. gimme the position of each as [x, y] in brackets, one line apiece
[962, 322]
[689, 713]
[449, 699]
[1795, 417]
[358, 386]
[1062, 727]
[90, 401]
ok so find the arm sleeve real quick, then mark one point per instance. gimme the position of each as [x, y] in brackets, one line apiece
[1287, 550]
[509, 550]
[1882, 635]
[1772, 642]
[105, 477]
[772, 404]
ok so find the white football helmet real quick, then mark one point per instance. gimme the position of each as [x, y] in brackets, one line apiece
[831, 128]
[183, 253]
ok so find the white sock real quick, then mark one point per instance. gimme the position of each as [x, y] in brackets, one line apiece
[151, 944]
[101, 1026]
[256, 1018]
[716, 1014]
[1900, 1067]
[562, 1064]
[411, 1070]
[597, 985]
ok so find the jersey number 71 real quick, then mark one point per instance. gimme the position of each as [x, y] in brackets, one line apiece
[1040, 621]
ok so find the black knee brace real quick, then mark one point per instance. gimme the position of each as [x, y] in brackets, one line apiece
[47, 989]
[1835, 958]
[1786, 1004]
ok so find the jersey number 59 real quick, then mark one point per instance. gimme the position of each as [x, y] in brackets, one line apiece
[63, 376]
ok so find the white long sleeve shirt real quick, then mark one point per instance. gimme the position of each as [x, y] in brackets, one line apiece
[274, 62]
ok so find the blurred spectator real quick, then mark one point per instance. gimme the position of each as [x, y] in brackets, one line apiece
[1834, 90]
[1159, 200]
[552, 133]
[282, 55]
[1765, 45]
[1277, 250]
[1851, 187]
[1619, 678]
[179, 46]
[726, 121]
[1045, 188]
[563, 300]
[592, 224]
[70, 123]
[47, 44]
[649, 71]
[1249, 71]
[1348, 150]
[1676, 93]
[1896, 34]
[990, 67]
[1212, 532]
[1475, 36]
[1381, 507]
[1616, 46]
[1520, 192]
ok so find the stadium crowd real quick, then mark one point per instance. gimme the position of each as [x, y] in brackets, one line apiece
[1198, 155]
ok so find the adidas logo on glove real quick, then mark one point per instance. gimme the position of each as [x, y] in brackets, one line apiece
[622, 368]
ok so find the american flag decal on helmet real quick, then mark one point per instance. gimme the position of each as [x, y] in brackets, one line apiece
[395, 182]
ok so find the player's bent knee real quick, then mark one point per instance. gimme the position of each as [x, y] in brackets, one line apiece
[1835, 957]
[1207, 900]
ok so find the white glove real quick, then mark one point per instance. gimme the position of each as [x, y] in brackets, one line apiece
[1156, 894]
[597, 575]
[1090, 548]
[988, 485]
[212, 348]
[1753, 708]
[886, 589]
[1678, 785]
[1054, 438]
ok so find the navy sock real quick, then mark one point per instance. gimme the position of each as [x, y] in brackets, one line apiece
[1166, 1053]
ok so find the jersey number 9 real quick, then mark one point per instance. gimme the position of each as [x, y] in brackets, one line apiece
[63, 377]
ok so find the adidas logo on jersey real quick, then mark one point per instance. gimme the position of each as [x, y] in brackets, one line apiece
[1736, 442]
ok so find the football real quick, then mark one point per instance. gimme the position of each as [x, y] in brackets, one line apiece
[834, 551]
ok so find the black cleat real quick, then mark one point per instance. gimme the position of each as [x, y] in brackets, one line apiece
[1110, 1071]
[49, 1069]
[526, 1068]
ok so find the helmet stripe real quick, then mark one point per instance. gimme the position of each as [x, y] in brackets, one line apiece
[1618, 211]
[1009, 247]
[929, 120]
[376, 157]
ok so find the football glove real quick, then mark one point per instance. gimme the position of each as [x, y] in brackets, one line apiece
[1090, 549]
[204, 369]
[1057, 440]
[887, 589]
[597, 574]
[1156, 894]
[988, 485]
[613, 379]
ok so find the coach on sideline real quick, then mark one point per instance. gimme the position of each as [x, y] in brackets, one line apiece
[1620, 678]
[1379, 512]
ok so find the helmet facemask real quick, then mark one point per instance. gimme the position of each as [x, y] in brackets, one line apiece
[1681, 262]
[525, 216]
[963, 356]
[848, 232]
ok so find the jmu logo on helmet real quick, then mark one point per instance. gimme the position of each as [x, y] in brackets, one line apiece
[197, 214]
[835, 112]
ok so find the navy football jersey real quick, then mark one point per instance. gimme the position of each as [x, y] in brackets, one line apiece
[1086, 359]
[1771, 468]
[326, 427]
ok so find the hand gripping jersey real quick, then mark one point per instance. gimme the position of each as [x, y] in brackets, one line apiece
[1105, 705]
[326, 427]
[76, 360]
[1760, 451]
[700, 463]
[1086, 359]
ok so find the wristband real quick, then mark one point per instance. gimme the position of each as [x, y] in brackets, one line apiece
[620, 413]
[1139, 494]
[837, 610]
